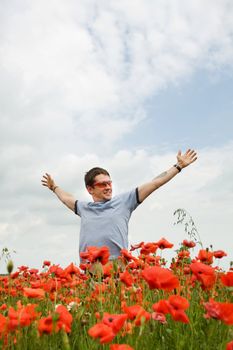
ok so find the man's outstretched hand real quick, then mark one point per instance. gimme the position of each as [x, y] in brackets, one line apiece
[187, 158]
[48, 182]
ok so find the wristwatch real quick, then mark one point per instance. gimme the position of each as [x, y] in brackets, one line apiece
[178, 167]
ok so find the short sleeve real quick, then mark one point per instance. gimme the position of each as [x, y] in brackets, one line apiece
[76, 208]
[131, 199]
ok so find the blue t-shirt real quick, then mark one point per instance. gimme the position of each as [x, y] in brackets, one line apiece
[106, 223]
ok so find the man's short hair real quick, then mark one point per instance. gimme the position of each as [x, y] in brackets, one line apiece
[92, 173]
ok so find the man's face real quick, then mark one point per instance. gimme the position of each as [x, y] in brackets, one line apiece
[101, 190]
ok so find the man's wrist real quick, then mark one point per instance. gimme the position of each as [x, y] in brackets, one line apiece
[54, 188]
[178, 167]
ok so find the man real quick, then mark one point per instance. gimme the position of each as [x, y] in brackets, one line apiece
[104, 222]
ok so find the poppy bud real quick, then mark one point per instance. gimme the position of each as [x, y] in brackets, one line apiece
[10, 266]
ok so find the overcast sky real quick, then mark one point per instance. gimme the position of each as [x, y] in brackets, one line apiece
[123, 85]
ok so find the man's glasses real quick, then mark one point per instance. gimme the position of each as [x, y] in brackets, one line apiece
[103, 184]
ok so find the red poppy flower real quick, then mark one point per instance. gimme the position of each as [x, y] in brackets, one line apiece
[204, 274]
[179, 315]
[65, 318]
[126, 278]
[205, 256]
[3, 324]
[125, 254]
[188, 244]
[72, 270]
[186, 270]
[177, 306]
[218, 254]
[51, 285]
[46, 263]
[94, 254]
[13, 321]
[23, 268]
[120, 347]
[221, 311]
[226, 313]
[36, 284]
[34, 293]
[14, 274]
[178, 302]
[116, 322]
[162, 307]
[107, 269]
[33, 271]
[184, 254]
[23, 316]
[200, 268]
[56, 270]
[159, 316]
[46, 325]
[137, 264]
[136, 313]
[227, 279]
[136, 246]
[229, 345]
[148, 248]
[160, 278]
[163, 244]
[152, 260]
[3, 307]
[102, 331]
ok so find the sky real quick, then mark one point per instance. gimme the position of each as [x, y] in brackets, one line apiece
[122, 85]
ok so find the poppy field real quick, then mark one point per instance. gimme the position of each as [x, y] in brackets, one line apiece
[136, 302]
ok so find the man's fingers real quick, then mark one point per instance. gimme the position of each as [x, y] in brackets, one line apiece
[46, 179]
[193, 159]
[48, 176]
[189, 152]
[45, 183]
[193, 154]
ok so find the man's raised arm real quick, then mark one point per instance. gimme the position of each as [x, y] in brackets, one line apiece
[64, 197]
[183, 160]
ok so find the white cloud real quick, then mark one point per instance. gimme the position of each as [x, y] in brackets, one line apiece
[86, 64]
